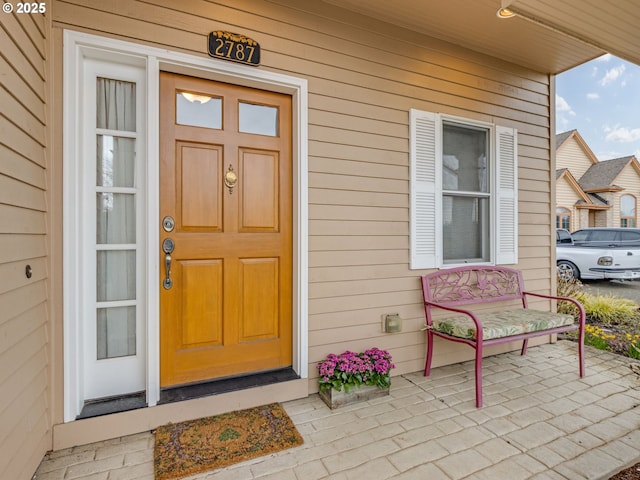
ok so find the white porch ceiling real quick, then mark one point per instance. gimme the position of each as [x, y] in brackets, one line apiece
[549, 36]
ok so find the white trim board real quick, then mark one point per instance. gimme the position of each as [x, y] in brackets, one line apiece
[79, 46]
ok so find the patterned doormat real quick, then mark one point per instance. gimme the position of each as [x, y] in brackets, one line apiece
[187, 448]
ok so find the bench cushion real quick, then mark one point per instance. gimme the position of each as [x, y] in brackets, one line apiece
[503, 323]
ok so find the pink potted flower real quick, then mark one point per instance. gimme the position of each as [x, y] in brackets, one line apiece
[351, 377]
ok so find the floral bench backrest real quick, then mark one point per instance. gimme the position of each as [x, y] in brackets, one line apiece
[464, 285]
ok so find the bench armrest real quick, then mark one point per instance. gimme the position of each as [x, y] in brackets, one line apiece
[475, 319]
[566, 299]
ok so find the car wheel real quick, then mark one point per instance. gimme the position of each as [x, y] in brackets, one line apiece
[568, 271]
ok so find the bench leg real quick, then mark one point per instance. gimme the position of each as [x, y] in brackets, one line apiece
[525, 342]
[581, 350]
[427, 365]
[478, 348]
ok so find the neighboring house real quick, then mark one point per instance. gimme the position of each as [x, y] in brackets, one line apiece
[170, 219]
[592, 193]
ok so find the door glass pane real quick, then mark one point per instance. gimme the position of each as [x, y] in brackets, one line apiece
[116, 275]
[465, 158]
[115, 163]
[258, 119]
[198, 110]
[116, 104]
[604, 236]
[580, 236]
[116, 332]
[630, 236]
[115, 218]
[465, 229]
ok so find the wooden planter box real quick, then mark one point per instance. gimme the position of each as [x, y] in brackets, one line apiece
[335, 399]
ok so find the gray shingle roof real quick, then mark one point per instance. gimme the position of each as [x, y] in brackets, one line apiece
[602, 174]
[559, 172]
[597, 199]
[561, 137]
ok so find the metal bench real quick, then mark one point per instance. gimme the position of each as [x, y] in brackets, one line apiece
[450, 289]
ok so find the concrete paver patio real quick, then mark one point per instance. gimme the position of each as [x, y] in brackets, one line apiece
[540, 421]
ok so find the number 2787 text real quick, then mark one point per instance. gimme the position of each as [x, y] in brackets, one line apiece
[233, 50]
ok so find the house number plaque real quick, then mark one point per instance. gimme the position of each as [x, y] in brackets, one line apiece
[234, 47]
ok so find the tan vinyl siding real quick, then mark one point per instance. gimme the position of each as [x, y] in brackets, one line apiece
[572, 156]
[24, 331]
[364, 76]
[567, 197]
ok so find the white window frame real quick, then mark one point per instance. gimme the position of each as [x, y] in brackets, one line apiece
[563, 212]
[426, 190]
[634, 217]
[78, 47]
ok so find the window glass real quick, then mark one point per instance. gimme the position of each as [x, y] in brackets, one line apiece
[465, 181]
[115, 161]
[630, 236]
[116, 332]
[464, 158]
[116, 197]
[628, 211]
[115, 218]
[603, 236]
[116, 105]
[563, 218]
[198, 110]
[628, 206]
[465, 223]
[580, 235]
[627, 222]
[116, 271]
[258, 119]
[563, 236]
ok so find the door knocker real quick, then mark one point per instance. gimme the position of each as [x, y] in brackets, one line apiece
[230, 179]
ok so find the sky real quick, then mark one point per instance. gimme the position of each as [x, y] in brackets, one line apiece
[601, 99]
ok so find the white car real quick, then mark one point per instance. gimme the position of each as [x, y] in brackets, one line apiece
[595, 263]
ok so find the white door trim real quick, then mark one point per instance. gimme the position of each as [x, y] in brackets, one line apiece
[78, 46]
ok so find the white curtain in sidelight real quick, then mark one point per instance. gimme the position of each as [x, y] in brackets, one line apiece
[115, 218]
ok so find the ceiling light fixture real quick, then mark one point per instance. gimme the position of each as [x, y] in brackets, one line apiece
[192, 97]
[505, 13]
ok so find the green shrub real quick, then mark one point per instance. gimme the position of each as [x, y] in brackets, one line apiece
[570, 288]
[573, 289]
[602, 309]
[619, 316]
[610, 310]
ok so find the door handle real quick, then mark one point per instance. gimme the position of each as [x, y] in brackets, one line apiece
[230, 179]
[168, 283]
[167, 247]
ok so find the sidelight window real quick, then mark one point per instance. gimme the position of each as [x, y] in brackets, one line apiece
[116, 197]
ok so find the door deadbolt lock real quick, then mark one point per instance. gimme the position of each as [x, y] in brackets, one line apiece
[168, 223]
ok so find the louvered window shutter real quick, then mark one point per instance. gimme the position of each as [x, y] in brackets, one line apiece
[507, 195]
[425, 201]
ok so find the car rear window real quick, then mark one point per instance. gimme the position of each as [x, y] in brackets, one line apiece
[562, 236]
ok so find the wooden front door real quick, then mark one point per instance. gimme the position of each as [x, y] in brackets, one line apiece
[226, 309]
